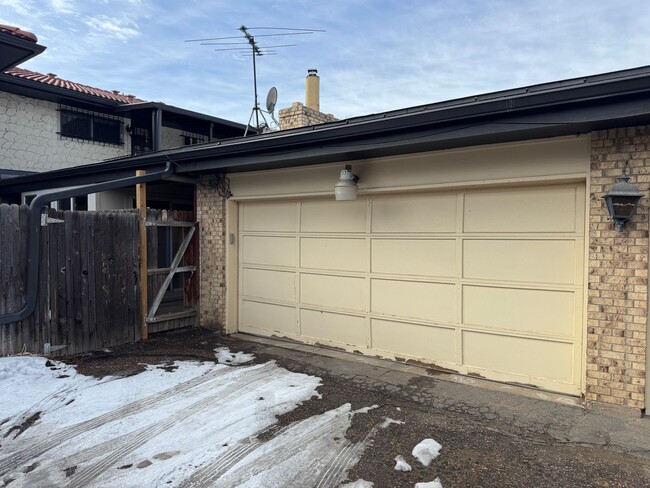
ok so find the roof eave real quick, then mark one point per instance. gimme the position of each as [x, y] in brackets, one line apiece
[42, 91]
[15, 50]
[577, 109]
[179, 111]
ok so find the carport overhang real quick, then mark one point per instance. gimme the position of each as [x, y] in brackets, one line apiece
[563, 108]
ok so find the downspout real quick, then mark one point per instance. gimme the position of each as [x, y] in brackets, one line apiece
[34, 230]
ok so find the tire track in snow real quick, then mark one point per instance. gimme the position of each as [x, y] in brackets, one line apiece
[39, 446]
[131, 441]
[336, 471]
[293, 446]
[216, 468]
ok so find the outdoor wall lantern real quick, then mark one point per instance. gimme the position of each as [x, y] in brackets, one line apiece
[621, 200]
[346, 188]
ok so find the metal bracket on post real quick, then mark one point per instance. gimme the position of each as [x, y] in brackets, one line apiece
[45, 220]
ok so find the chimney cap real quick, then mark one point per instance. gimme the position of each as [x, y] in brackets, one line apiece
[312, 72]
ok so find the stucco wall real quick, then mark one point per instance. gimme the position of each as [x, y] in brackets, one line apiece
[618, 273]
[171, 138]
[29, 139]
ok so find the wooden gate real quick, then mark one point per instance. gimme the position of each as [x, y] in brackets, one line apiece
[89, 287]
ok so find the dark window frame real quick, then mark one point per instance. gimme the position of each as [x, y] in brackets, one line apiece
[86, 125]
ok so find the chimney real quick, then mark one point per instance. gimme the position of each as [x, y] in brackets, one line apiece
[312, 92]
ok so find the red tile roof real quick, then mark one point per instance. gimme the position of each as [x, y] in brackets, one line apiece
[15, 31]
[52, 79]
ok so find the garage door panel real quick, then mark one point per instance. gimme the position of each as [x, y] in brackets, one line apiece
[333, 254]
[414, 213]
[331, 216]
[421, 341]
[530, 210]
[540, 261]
[487, 281]
[273, 285]
[269, 251]
[535, 358]
[411, 299]
[333, 327]
[339, 292]
[418, 257]
[266, 316]
[269, 217]
[523, 310]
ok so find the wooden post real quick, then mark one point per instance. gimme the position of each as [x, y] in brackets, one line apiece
[141, 202]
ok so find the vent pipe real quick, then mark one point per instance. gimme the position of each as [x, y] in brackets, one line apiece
[312, 92]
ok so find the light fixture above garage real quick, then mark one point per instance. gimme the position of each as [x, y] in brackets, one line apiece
[346, 188]
[621, 200]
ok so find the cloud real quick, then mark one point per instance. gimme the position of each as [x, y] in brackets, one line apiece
[21, 7]
[119, 29]
[63, 6]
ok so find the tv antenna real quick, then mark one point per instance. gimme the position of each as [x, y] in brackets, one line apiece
[254, 50]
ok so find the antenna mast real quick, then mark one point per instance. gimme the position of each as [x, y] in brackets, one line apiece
[255, 51]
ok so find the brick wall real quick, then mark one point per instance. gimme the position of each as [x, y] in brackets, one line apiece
[29, 138]
[618, 273]
[298, 115]
[211, 215]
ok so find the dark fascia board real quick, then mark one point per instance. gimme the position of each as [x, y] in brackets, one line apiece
[575, 109]
[55, 94]
[15, 50]
[180, 111]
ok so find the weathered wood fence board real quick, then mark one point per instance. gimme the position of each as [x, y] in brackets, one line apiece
[88, 282]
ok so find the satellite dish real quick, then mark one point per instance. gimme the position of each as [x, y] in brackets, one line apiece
[271, 99]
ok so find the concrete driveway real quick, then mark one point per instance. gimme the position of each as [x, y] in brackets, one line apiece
[162, 413]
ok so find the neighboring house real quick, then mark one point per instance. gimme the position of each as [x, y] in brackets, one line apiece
[479, 241]
[51, 123]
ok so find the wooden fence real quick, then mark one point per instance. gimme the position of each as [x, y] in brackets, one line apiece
[88, 291]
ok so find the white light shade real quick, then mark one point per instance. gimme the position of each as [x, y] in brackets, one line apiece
[346, 188]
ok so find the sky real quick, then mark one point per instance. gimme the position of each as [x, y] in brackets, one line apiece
[374, 56]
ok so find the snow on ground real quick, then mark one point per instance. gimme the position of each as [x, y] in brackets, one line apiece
[195, 424]
[401, 464]
[426, 451]
[224, 356]
[431, 484]
[359, 484]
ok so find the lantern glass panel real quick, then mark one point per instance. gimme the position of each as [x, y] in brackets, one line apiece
[623, 206]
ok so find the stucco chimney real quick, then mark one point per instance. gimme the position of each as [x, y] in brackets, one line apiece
[312, 92]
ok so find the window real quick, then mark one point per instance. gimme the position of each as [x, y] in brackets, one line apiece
[140, 140]
[91, 126]
[191, 138]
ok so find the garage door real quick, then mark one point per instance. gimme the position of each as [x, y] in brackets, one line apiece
[485, 282]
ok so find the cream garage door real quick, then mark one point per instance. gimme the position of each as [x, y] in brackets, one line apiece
[486, 282]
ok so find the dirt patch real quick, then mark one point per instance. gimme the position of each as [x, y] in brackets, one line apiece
[19, 429]
[195, 344]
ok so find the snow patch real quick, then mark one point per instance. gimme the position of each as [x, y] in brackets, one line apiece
[431, 484]
[401, 464]
[366, 409]
[388, 421]
[426, 451]
[358, 484]
[224, 356]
